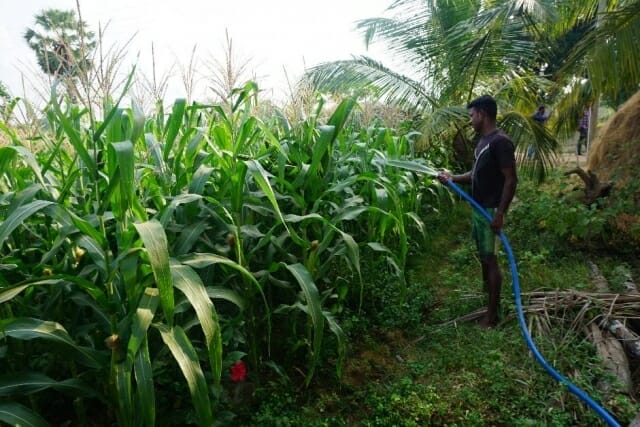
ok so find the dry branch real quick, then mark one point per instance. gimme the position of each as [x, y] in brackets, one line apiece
[593, 188]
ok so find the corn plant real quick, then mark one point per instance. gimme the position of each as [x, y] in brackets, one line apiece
[137, 249]
[94, 244]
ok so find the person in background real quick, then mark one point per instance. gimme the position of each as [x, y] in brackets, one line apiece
[493, 184]
[541, 117]
[583, 129]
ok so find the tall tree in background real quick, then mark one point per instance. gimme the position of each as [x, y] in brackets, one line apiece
[452, 51]
[62, 45]
[601, 64]
[523, 52]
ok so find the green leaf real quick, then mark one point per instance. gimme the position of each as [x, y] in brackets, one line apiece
[190, 284]
[95, 251]
[79, 144]
[145, 386]
[165, 216]
[341, 338]
[121, 377]
[15, 414]
[187, 358]
[138, 122]
[260, 176]
[27, 329]
[189, 236]
[7, 154]
[204, 260]
[121, 162]
[199, 179]
[155, 241]
[141, 321]
[314, 307]
[18, 216]
[216, 292]
[412, 166]
[32, 382]
[173, 126]
[11, 293]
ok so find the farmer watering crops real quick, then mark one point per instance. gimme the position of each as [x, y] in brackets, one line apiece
[493, 184]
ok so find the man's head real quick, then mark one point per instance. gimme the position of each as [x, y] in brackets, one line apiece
[541, 109]
[483, 112]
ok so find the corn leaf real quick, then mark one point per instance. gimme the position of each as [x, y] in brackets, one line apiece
[155, 241]
[28, 329]
[167, 212]
[121, 377]
[141, 321]
[314, 307]
[18, 216]
[121, 161]
[79, 144]
[340, 337]
[190, 284]
[216, 292]
[188, 237]
[10, 293]
[173, 126]
[199, 179]
[261, 178]
[33, 382]
[144, 382]
[200, 260]
[187, 358]
[7, 154]
[14, 414]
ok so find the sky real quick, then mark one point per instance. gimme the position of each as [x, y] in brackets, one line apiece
[272, 35]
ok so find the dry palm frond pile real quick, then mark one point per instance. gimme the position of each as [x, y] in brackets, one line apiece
[578, 308]
[615, 156]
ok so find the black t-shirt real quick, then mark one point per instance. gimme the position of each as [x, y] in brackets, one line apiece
[493, 153]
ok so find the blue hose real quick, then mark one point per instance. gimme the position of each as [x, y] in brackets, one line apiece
[525, 331]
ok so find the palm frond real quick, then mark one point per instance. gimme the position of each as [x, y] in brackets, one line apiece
[350, 76]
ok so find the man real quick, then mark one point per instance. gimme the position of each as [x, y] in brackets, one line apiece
[583, 129]
[540, 117]
[493, 184]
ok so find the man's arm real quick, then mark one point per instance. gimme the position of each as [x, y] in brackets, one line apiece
[508, 191]
[445, 177]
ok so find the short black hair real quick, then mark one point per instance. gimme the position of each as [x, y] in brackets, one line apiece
[485, 103]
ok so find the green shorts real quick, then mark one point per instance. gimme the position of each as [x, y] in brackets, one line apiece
[482, 233]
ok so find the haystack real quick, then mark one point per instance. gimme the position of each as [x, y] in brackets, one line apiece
[615, 156]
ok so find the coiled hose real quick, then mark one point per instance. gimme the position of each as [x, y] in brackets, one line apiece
[525, 331]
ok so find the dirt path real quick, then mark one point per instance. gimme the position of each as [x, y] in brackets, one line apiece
[567, 155]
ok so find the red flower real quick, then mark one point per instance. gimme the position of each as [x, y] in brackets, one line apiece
[238, 371]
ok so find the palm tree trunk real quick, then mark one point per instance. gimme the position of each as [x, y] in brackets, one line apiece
[593, 116]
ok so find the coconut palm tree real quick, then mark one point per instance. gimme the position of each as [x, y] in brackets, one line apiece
[602, 63]
[455, 50]
[524, 52]
[62, 45]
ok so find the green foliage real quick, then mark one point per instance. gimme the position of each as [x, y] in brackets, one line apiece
[61, 42]
[152, 253]
[543, 213]
[454, 373]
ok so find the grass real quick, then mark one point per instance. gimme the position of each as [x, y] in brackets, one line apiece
[406, 368]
